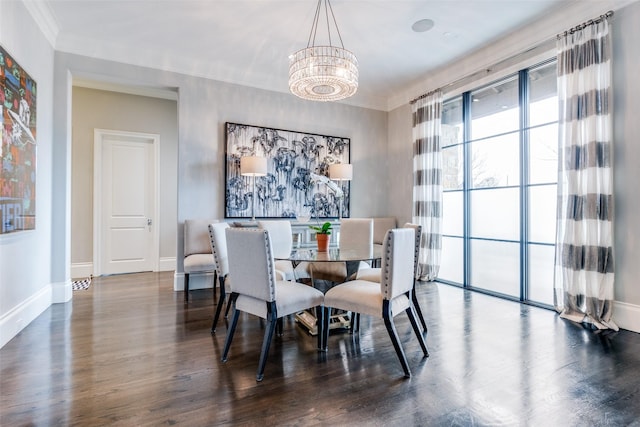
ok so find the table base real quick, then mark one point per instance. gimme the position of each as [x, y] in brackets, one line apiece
[336, 321]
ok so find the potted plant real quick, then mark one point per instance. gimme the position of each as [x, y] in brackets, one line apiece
[323, 233]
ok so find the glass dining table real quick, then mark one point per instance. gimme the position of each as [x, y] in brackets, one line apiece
[351, 258]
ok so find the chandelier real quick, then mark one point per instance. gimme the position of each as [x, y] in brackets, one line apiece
[323, 73]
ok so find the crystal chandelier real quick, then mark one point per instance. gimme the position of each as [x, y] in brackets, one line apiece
[323, 73]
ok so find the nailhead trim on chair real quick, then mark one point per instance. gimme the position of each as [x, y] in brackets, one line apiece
[267, 244]
[387, 265]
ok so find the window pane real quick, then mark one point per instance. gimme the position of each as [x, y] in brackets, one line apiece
[452, 122]
[542, 213]
[543, 154]
[452, 261]
[543, 95]
[452, 213]
[495, 161]
[541, 273]
[495, 214]
[452, 170]
[495, 266]
[495, 109]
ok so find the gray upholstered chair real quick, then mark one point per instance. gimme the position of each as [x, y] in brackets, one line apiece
[197, 251]
[380, 227]
[386, 299]
[374, 275]
[218, 240]
[256, 290]
[282, 244]
[355, 234]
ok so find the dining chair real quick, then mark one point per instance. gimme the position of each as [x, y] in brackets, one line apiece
[197, 252]
[380, 227]
[282, 243]
[218, 240]
[374, 275]
[355, 234]
[256, 290]
[391, 296]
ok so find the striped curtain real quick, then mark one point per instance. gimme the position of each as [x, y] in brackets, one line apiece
[584, 269]
[427, 181]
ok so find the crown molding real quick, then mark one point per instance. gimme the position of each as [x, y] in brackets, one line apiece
[44, 18]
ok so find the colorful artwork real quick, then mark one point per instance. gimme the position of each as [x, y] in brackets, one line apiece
[18, 147]
[296, 183]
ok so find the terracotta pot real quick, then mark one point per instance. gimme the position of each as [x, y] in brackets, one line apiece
[323, 242]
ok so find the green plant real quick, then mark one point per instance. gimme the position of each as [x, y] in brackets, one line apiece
[324, 229]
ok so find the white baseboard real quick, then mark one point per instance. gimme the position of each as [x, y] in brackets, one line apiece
[626, 316]
[19, 317]
[61, 292]
[81, 269]
[167, 264]
[85, 269]
[196, 281]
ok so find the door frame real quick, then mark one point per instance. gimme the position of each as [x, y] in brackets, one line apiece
[99, 135]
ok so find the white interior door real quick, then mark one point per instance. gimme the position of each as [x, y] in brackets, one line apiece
[126, 203]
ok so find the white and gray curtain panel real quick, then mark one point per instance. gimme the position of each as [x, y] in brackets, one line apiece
[427, 181]
[584, 267]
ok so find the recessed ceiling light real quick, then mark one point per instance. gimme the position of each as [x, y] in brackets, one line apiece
[422, 25]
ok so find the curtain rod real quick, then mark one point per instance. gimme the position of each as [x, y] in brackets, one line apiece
[585, 24]
[491, 68]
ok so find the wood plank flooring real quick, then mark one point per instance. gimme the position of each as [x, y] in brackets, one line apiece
[128, 352]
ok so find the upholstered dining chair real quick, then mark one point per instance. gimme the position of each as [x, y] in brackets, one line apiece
[256, 290]
[355, 234]
[380, 227]
[197, 251]
[218, 240]
[391, 296]
[282, 244]
[374, 275]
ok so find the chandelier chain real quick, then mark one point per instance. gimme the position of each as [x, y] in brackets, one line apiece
[316, 19]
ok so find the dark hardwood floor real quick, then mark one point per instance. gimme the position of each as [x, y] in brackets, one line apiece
[127, 352]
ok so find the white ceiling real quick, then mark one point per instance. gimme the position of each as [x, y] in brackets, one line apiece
[248, 41]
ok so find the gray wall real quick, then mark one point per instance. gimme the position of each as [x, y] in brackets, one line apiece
[626, 62]
[101, 109]
[626, 132]
[26, 288]
[203, 108]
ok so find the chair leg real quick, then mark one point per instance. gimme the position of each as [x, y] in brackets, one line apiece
[272, 320]
[418, 309]
[393, 334]
[230, 331]
[186, 287]
[230, 302]
[215, 279]
[320, 326]
[352, 323]
[226, 312]
[325, 328]
[416, 329]
[279, 326]
[355, 322]
[223, 295]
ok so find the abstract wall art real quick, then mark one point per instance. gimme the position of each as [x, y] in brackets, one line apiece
[17, 147]
[296, 183]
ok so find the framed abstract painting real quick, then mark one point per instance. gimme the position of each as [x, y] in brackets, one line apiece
[17, 147]
[295, 182]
